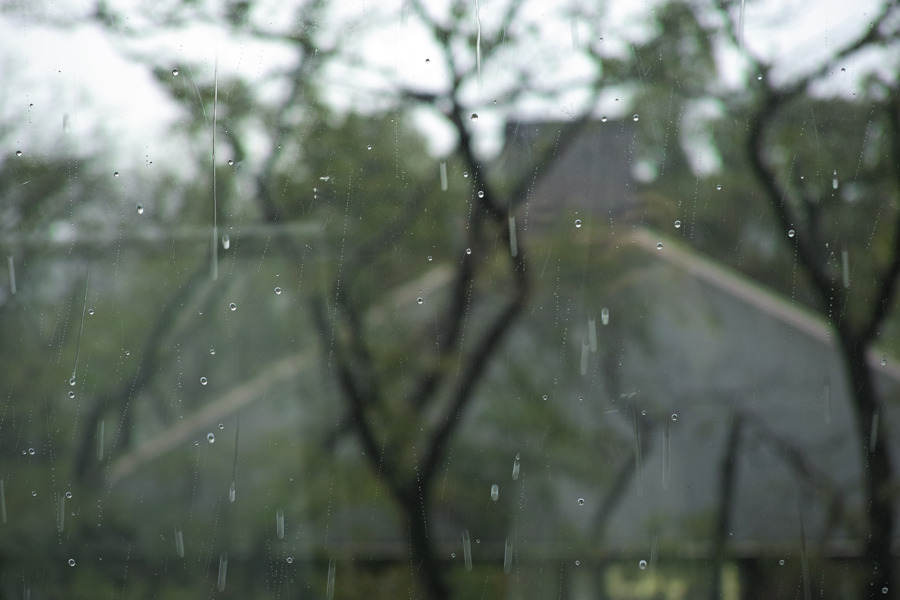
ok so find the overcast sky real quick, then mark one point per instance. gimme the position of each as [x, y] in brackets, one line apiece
[115, 108]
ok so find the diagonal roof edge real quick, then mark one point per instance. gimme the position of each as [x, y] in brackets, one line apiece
[748, 290]
[223, 406]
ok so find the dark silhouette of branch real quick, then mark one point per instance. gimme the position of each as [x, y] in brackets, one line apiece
[477, 363]
[887, 287]
[488, 204]
[151, 361]
[615, 493]
[343, 333]
[798, 461]
[773, 99]
[727, 479]
[807, 256]
[877, 471]
[358, 397]
[618, 487]
[412, 490]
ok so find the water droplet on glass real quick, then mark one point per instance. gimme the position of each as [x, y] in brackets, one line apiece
[635, 117]
[212, 350]
[465, 173]
[719, 186]
[91, 311]
[581, 502]
[843, 70]
[781, 562]
[68, 494]
[604, 316]
[644, 412]
[659, 246]
[72, 381]
[290, 559]
[203, 381]
[791, 233]
[71, 562]
[453, 555]
[278, 290]
[674, 417]
[834, 182]
[127, 353]
[420, 300]
[603, 119]
[429, 259]
[474, 117]
[495, 492]
[223, 571]
[884, 590]
[577, 223]
[643, 564]
[196, 442]
[545, 396]
[34, 493]
[369, 147]
[116, 174]
[226, 241]
[577, 562]
[883, 361]
[211, 438]
[468, 251]
[221, 425]
[427, 60]
[233, 306]
[31, 451]
[759, 77]
[175, 72]
[71, 394]
[677, 224]
[18, 153]
[329, 588]
[140, 209]
[480, 194]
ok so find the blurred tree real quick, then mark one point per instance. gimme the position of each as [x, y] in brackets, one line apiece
[810, 187]
[403, 406]
[397, 221]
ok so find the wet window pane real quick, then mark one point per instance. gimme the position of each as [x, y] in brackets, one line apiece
[449, 300]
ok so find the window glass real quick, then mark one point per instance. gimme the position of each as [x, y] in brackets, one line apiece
[449, 299]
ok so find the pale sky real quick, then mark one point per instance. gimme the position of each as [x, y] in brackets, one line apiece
[102, 81]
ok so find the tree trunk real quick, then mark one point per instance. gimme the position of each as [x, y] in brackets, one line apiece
[425, 565]
[727, 472]
[880, 572]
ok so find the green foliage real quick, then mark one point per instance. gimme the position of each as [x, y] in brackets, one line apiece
[347, 211]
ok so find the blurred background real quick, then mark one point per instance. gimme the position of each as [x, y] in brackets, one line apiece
[449, 299]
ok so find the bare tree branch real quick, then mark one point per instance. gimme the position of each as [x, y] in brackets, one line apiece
[357, 396]
[800, 464]
[727, 479]
[475, 368]
[887, 287]
[148, 367]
